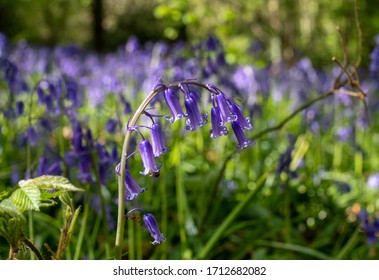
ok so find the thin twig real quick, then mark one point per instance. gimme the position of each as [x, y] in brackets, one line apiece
[291, 116]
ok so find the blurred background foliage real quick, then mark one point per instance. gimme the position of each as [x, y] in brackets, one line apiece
[281, 29]
[312, 215]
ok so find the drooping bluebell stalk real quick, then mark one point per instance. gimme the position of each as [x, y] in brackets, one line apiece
[222, 112]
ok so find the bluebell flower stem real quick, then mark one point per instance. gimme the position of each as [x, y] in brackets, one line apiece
[121, 178]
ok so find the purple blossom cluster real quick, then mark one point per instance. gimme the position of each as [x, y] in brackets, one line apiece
[224, 111]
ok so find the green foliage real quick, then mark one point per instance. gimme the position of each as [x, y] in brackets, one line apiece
[282, 28]
[30, 196]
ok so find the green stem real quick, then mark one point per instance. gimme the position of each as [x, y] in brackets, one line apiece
[180, 203]
[349, 245]
[131, 240]
[164, 211]
[217, 235]
[213, 191]
[102, 203]
[121, 178]
[81, 232]
[293, 247]
[32, 247]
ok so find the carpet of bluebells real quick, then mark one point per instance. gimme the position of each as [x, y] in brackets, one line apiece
[312, 185]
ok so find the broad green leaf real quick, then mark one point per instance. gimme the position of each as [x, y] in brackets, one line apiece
[8, 207]
[51, 184]
[27, 198]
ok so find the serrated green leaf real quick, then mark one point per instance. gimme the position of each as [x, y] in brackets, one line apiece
[51, 184]
[8, 207]
[27, 198]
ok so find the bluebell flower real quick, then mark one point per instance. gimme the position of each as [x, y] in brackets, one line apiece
[45, 168]
[3, 43]
[195, 119]
[72, 90]
[344, 133]
[157, 140]
[96, 205]
[32, 136]
[284, 162]
[70, 157]
[173, 105]
[212, 43]
[218, 129]
[373, 181]
[242, 121]
[374, 64]
[84, 172]
[89, 138]
[15, 176]
[226, 114]
[243, 142]
[127, 107]
[132, 189]
[153, 228]
[12, 76]
[111, 125]
[77, 138]
[19, 108]
[342, 187]
[370, 225]
[114, 155]
[46, 124]
[102, 153]
[148, 161]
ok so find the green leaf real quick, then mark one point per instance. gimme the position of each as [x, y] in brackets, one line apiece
[27, 197]
[8, 207]
[51, 184]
